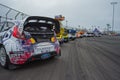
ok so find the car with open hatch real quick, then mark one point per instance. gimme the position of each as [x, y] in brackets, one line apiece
[31, 39]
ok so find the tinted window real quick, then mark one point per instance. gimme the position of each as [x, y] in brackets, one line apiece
[7, 26]
[1, 25]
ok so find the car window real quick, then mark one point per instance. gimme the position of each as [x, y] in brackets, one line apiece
[1, 25]
[7, 26]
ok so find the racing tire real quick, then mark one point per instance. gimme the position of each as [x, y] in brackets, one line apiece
[4, 60]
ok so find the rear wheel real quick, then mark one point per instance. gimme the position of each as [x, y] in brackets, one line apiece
[4, 59]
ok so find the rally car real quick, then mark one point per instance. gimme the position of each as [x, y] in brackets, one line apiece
[29, 40]
[72, 34]
[60, 38]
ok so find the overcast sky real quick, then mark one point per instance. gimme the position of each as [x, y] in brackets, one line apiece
[85, 13]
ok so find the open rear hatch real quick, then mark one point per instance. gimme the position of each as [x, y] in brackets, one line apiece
[41, 28]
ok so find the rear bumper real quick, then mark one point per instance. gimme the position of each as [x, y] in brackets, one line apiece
[38, 57]
[24, 53]
[72, 38]
[65, 39]
[19, 60]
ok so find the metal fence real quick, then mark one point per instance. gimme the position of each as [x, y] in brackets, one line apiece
[7, 13]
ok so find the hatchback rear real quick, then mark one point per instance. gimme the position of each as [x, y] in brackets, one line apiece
[32, 40]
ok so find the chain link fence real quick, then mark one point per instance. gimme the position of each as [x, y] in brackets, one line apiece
[7, 13]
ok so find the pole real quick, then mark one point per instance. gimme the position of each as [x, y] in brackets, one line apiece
[17, 15]
[92, 28]
[79, 27]
[113, 3]
[113, 19]
[7, 14]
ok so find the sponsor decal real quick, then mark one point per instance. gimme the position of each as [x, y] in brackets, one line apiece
[19, 58]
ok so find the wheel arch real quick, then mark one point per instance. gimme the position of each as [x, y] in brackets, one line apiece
[1, 45]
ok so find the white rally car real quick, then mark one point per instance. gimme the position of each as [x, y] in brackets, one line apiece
[32, 39]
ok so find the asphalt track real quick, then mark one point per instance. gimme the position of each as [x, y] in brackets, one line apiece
[94, 58]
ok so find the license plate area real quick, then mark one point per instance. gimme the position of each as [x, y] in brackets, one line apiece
[45, 56]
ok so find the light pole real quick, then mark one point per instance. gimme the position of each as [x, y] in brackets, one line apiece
[92, 28]
[79, 27]
[113, 3]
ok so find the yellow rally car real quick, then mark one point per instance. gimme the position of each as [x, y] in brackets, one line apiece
[63, 35]
[60, 38]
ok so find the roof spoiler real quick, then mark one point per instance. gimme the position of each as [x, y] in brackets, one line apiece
[38, 18]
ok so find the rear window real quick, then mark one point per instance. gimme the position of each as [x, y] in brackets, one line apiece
[38, 28]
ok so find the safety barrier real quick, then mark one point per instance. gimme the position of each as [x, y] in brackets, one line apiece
[5, 12]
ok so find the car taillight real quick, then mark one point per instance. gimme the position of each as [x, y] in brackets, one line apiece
[17, 34]
[53, 39]
[32, 40]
